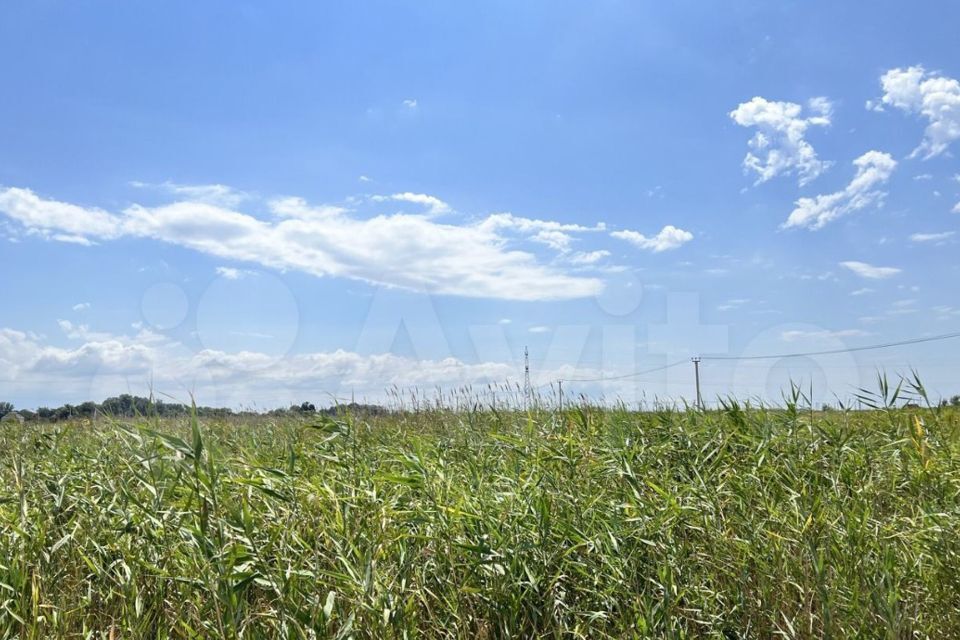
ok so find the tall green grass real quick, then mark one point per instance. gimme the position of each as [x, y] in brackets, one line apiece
[734, 523]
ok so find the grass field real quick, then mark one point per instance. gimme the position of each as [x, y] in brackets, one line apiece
[732, 523]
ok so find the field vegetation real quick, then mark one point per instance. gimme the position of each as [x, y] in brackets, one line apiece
[736, 522]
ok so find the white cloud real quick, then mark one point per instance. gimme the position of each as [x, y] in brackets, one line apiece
[57, 220]
[508, 221]
[557, 240]
[229, 273]
[956, 208]
[81, 306]
[232, 273]
[539, 329]
[72, 239]
[923, 176]
[946, 312]
[410, 104]
[669, 237]
[217, 194]
[792, 336]
[435, 206]
[862, 291]
[779, 146]
[364, 179]
[873, 170]
[902, 307]
[588, 257]
[100, 364]
[865, 270]
[934, 96]
[735, 303]
[400, 250]
[931, 237]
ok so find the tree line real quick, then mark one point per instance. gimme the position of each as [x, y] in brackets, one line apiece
[131, 406]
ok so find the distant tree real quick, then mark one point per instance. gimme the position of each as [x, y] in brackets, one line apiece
[65, 412]
[307, 407]
[5, 408]
[87, 409]
[955, 401]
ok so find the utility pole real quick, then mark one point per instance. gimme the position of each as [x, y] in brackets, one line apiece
[526, 379]
[696, 373]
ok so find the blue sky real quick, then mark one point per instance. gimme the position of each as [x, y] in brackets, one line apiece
[264, 204]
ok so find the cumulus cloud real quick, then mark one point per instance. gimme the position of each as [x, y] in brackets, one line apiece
[668, 238]
[98, 364]
[401, 250]
[931, 95]
[865, 270]
[873, 170]
[779, 146]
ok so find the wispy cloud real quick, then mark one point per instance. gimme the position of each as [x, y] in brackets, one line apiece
[232, 273]
[434, 205]
[779, 146]
[81, 306]
[870, 271]
[735, 303]
[588, 257]
[873, 170]
[216, 194]
[792, 336]
[931, 237]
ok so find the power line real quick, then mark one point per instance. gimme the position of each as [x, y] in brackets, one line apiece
[945, 336]
[626, 375]
[886, 345]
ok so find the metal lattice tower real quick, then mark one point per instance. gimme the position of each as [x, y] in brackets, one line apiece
[526, 378]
